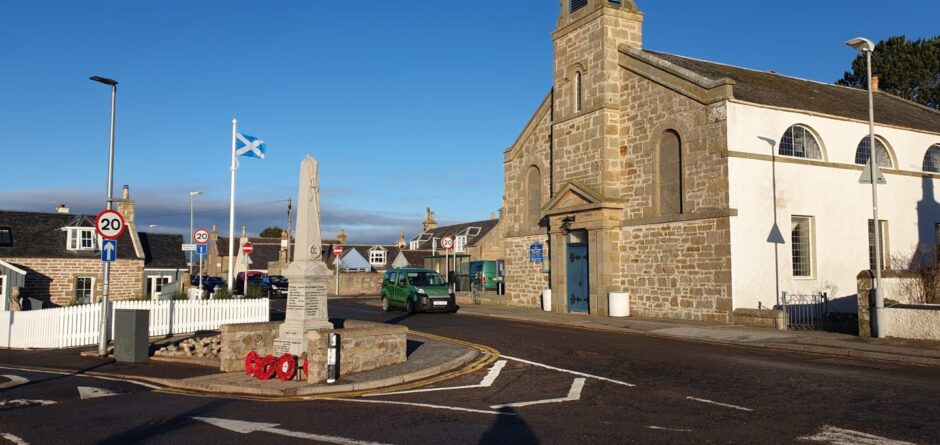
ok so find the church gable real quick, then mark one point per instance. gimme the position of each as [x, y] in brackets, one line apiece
[576, 197]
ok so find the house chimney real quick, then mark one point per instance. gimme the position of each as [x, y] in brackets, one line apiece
[126, 192]
[62, 208]
[492, 216]
[127, 207]
[874, 83]
[401, 240]
[341, 236]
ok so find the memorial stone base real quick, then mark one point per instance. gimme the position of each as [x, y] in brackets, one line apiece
[306, 307]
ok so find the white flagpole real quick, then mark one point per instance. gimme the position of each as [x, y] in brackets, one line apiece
[231, 214]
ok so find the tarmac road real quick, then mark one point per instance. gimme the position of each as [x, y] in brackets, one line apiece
[551, 385]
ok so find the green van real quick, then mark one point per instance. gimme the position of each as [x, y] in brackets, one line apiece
[416, 290]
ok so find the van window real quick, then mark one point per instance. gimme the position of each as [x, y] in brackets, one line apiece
[425, 279]
[390, 277]
[402, 280]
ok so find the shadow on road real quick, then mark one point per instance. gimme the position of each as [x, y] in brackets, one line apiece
[509, 430]
[150, 430]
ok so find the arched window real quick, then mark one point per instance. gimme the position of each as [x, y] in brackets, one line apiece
[864, 152]
[670, 173]
[932, 159]
[798, 141]
[533, 197]
[577, 92]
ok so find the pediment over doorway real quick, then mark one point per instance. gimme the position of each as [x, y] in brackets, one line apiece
[574, 197]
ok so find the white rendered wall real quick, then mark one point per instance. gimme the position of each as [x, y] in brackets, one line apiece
[839, 205]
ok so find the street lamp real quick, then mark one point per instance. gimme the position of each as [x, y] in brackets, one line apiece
[191, 241]
[877, 320]
[103, 325]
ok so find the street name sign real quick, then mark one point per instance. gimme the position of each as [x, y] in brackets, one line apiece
[108, 250]
[189, 247]
[110, 224]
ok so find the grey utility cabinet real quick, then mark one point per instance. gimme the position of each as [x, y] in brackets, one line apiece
[131, 335]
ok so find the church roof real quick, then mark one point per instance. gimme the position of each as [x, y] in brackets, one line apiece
[768, 88]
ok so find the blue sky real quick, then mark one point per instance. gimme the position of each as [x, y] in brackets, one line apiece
[405, 104]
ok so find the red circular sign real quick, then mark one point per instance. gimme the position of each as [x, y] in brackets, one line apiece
[110, 224]
[201, 236]
[338, 250]
[247, 248]
[447, 243]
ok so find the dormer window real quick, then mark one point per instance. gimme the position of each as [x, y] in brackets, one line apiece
[81, 238]
[460, 243]
[378, 255]
[6, 237]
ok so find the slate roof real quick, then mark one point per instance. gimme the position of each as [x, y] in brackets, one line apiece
[458, 229]
[773, 89]
[265, 250]
[40, 235]
[163, 251]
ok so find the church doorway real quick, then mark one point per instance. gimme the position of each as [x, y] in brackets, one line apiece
[577, 272]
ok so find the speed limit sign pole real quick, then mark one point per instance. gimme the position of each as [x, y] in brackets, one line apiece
[110, 226]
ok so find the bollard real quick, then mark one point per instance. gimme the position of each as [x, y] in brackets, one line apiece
[332, 369]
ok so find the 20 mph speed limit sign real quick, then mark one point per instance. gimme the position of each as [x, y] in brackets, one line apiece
[201, 236]
[110, 224]
[447, 243]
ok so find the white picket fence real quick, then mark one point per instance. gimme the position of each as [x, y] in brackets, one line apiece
[78, 325]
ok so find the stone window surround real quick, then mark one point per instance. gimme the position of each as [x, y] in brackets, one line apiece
[682, 130]
[530, 219]
[819, 142]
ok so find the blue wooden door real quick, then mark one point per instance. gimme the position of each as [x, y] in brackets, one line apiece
[578, 278]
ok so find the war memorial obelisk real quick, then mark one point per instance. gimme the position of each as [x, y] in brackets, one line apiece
[307, 273]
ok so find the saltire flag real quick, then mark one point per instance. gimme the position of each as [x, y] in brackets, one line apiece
[249, 146]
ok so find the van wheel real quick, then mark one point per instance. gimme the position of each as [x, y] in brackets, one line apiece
[385, 304]
[410, 306]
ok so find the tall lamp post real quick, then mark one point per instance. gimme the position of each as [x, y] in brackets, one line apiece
[103, 325]
[877, 319]
[191, 240]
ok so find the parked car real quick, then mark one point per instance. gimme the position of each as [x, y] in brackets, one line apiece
[274, 285]
[210, 284]
[414, 290]
[254, 280]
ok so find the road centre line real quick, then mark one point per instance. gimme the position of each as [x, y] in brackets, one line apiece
[573, 394]
[661, 428]
[425, 405]
[712, 402]
[147, 385]
[486, 382]
[582, 374]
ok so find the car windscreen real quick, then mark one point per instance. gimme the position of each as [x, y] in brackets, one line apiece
[425, 279]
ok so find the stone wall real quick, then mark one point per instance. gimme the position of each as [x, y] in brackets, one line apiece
[363, 346]
[913, 321]
[54, 279]
[678, 270]
[240, 339]
[525, 279]
[356, 283]
[760, 318]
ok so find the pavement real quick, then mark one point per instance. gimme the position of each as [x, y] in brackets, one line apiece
[918, 352]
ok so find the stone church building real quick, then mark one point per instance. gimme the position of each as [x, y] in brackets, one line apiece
[699, 188]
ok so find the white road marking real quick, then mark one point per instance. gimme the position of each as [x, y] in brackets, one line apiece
[244, 427]
[113, 379]
[15, 439]
[425, 405]
[712, 402]
[679, 430]
[573, 394]
[17, 403]
[90, 392]
[485, 383]
[582, 374]
[840, 436]
[15, 380]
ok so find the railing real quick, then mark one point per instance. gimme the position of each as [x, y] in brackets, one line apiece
[805, 311]
[78, 325]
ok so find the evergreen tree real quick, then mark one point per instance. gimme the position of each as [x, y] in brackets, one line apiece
[905, 68]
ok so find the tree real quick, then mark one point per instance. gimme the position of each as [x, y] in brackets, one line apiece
[272, 232]
[905, 68]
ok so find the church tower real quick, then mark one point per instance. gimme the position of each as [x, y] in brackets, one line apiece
[587, 88]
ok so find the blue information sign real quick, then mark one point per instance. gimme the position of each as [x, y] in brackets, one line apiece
[201, 249]
[108, 250]
[535, 253]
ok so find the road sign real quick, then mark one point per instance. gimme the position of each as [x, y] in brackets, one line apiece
[108, 250]
[201, 236]
[202, 249]
[189, 247]
[337, 250]
[535, 252]
[447, 243]
[247, 248]
[110, 224]
[866, 175]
